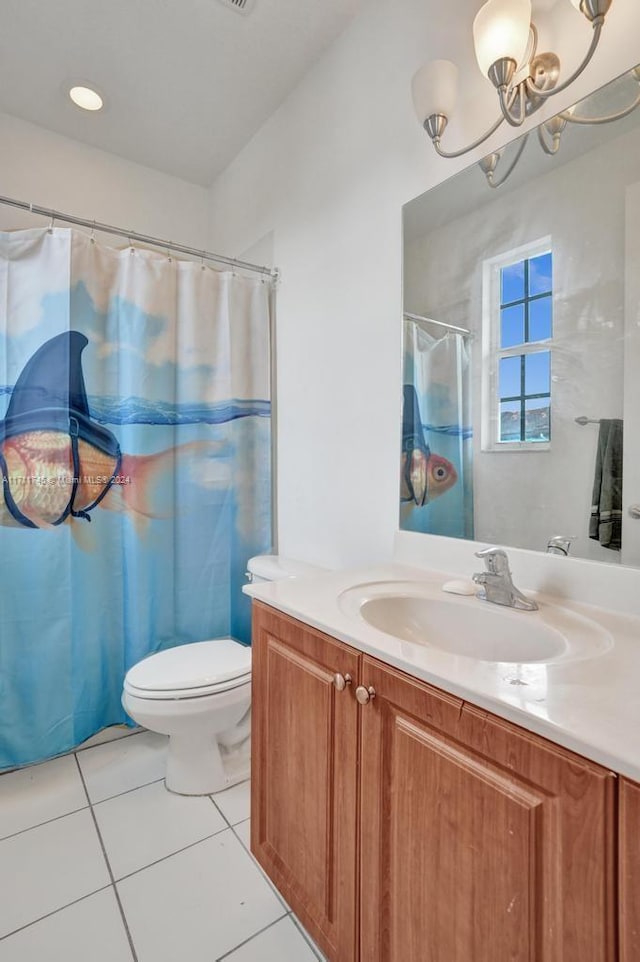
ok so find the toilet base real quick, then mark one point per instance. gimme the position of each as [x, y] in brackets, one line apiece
[209, 737]
[200, 766]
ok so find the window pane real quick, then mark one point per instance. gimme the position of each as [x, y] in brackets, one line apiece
[537, 373]
[510, 421]
[510, 376]
[540, 326]
[512, 325]
[512, 282]
[537, 424]
[540, 274]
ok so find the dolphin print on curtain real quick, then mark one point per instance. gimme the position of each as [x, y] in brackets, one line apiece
[436, 483]
[135, 458]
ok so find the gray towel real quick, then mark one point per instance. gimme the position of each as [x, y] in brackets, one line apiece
[605, 523]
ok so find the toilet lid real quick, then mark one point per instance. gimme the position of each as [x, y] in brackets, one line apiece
[204, 665]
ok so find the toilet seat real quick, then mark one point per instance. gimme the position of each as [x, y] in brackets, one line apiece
[191, 671]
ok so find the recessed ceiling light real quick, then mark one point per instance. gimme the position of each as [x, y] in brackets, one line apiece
[86, 98]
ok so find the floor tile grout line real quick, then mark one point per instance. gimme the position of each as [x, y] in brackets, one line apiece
[262, 871]
[108, 864]
[251, 938]
[247, 849]
[210, 797]
[127, 791]
[48, 915]
[215, 804]
[227, 825]
[219, 810]
[47, 821]
[68, 754]
[107, 741]
[171, 854]
[74, 811]
[303, 932]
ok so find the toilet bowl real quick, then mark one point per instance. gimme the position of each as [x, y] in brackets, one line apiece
[199, 694]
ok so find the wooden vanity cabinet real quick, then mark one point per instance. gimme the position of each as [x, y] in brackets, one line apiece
[304, 829]
[479, 841]
[629, 873]
[417, 828]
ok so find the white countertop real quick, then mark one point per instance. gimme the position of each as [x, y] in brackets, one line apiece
[590, 706]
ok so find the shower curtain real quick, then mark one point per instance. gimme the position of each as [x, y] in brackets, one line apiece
[436, 460]
[135, 454]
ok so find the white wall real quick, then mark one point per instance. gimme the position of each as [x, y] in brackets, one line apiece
[49, 170]
[523, 498]
[328, 174]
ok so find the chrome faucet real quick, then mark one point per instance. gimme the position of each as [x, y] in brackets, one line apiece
[497, 584]
[560, 544]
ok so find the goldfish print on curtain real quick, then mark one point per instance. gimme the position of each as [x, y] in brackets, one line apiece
[423, 475]
[436, 494]
[57, 463]
[135, 457]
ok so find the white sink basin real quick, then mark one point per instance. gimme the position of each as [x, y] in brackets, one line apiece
[463, 625]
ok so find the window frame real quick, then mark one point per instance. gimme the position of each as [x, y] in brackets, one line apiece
[492, 352]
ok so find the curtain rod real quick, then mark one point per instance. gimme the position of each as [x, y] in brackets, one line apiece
[132, 235]
[430, 320]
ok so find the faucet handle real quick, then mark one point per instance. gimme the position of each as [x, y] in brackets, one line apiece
[495, 559]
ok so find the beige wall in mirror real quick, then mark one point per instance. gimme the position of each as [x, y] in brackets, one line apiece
[543, 273]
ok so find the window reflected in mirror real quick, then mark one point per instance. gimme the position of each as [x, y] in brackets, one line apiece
[522, 345]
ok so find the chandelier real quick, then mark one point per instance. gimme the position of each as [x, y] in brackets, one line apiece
[505, 41]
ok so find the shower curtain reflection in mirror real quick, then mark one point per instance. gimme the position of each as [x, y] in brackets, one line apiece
[436, 482]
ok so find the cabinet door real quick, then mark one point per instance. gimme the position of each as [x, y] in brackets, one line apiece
[629, 871]
[304, 769]
[480, 841]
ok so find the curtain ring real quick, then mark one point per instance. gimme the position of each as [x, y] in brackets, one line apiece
[132, 249]
[92, 237]
[202, 261]
[50, 230]
[169, 254]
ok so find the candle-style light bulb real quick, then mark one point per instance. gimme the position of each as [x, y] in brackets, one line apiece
[435, 89]
[501, 32]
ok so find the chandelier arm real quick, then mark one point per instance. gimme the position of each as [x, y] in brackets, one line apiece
[476, 143]
[498, 183]
[506, 103]
[598, 24]
[549, 149]
[570, 118]
[511, 95]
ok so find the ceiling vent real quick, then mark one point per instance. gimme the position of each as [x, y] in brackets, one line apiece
[240, 6]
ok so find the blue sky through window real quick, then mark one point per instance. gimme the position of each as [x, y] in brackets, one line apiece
[526, 318]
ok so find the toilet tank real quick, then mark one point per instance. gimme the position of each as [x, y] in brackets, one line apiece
[274, 567]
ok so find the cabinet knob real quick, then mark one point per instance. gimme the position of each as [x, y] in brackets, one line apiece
[341, 681]
[365, 695]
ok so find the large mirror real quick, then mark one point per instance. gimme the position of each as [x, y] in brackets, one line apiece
[521, 350]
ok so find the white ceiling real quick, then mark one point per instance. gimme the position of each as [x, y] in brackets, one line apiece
[186, 82]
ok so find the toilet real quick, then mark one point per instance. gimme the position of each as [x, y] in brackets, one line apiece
[199, 694]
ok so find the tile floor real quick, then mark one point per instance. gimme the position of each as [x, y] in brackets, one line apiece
[98, 861]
